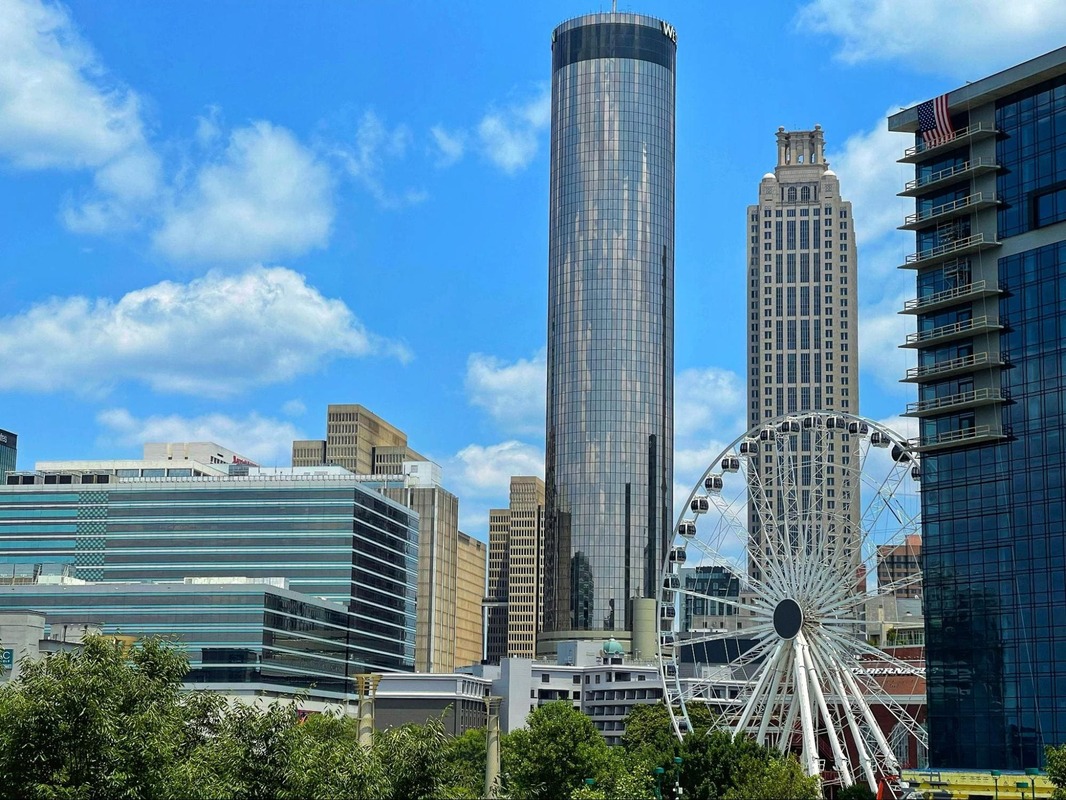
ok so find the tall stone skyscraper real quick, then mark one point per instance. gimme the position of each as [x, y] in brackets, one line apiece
[802, 298]
[609, 459]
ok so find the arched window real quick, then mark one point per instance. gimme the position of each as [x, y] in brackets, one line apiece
[805, 194]
[792, 194]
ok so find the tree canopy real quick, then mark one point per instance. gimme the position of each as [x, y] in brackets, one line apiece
[110, 722]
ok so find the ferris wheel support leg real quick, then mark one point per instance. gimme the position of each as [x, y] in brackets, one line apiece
[810, 747]
[865, 760]
[785, 738]
[875, 729]
[779, 675]
[753, 701]
[839, 756]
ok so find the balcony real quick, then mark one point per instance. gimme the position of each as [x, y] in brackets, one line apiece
[956, 330]
[942, 252]
[942, 213]
[979, 434]
[969, 134]
[948, 297]
[955, 366]
[955, 402]
[968, 169]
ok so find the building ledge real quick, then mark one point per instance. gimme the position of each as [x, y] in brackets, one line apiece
[954, 366]
[942, 213]
[979, 434]
[942, 252]
[955, 402]
[948, 297]
[971, 133]
[968, 169]
[956, 330]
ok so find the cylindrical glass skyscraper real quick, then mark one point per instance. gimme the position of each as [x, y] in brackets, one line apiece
[609, 459]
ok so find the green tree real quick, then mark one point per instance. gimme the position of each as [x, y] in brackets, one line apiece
[715, 762]
[1056, 770]
[93, 723]
[327, 762]
[464, 757]
[857, 791]
[773, 779]
[413, 757]
[649, 731]
[553, 755]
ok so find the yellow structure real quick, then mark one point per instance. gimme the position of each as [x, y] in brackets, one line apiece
[988, 785]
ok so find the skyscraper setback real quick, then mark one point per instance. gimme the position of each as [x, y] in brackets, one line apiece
[609, 439]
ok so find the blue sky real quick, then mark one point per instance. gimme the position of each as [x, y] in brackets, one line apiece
[218, 217]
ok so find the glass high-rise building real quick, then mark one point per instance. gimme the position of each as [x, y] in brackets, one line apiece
[990, 221]
[609, 440]
[327, 535]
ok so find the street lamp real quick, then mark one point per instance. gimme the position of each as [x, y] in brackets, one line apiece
[658, 773]
[678, 760]
[995, 779]
[1022, 786]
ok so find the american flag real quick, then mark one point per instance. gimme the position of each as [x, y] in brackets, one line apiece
[934, 122]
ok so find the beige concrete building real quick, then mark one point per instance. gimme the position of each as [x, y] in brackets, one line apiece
[438, 568]
[472, 562]
[516, 569]
[802, 299]
[358, 440]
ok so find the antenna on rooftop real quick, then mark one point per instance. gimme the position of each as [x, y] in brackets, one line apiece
[614, 6]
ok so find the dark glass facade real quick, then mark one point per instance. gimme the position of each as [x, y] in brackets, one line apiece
[329, 538]
[610, 319]
[994, 546]
[233, 634]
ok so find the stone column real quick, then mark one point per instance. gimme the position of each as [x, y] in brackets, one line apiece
[492, 747]
[366, 687]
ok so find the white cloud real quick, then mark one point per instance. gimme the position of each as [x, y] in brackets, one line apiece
[375, 144]
[57, 108]
[60, 109]
[509, 137]
[266, 197]
[219, 334]
[512, 393]
[906, 427]
[294, 408]
[451, 145]
[264, 440]
[706, 399]
[966, 40]
[487, 470]
[481, 477]
[870, 179]
[881, 332]
[709, 412]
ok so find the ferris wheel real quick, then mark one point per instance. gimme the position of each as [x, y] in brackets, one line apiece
[787, 552]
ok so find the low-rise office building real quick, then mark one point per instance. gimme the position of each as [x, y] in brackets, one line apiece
[245, 638]
[327, 534]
